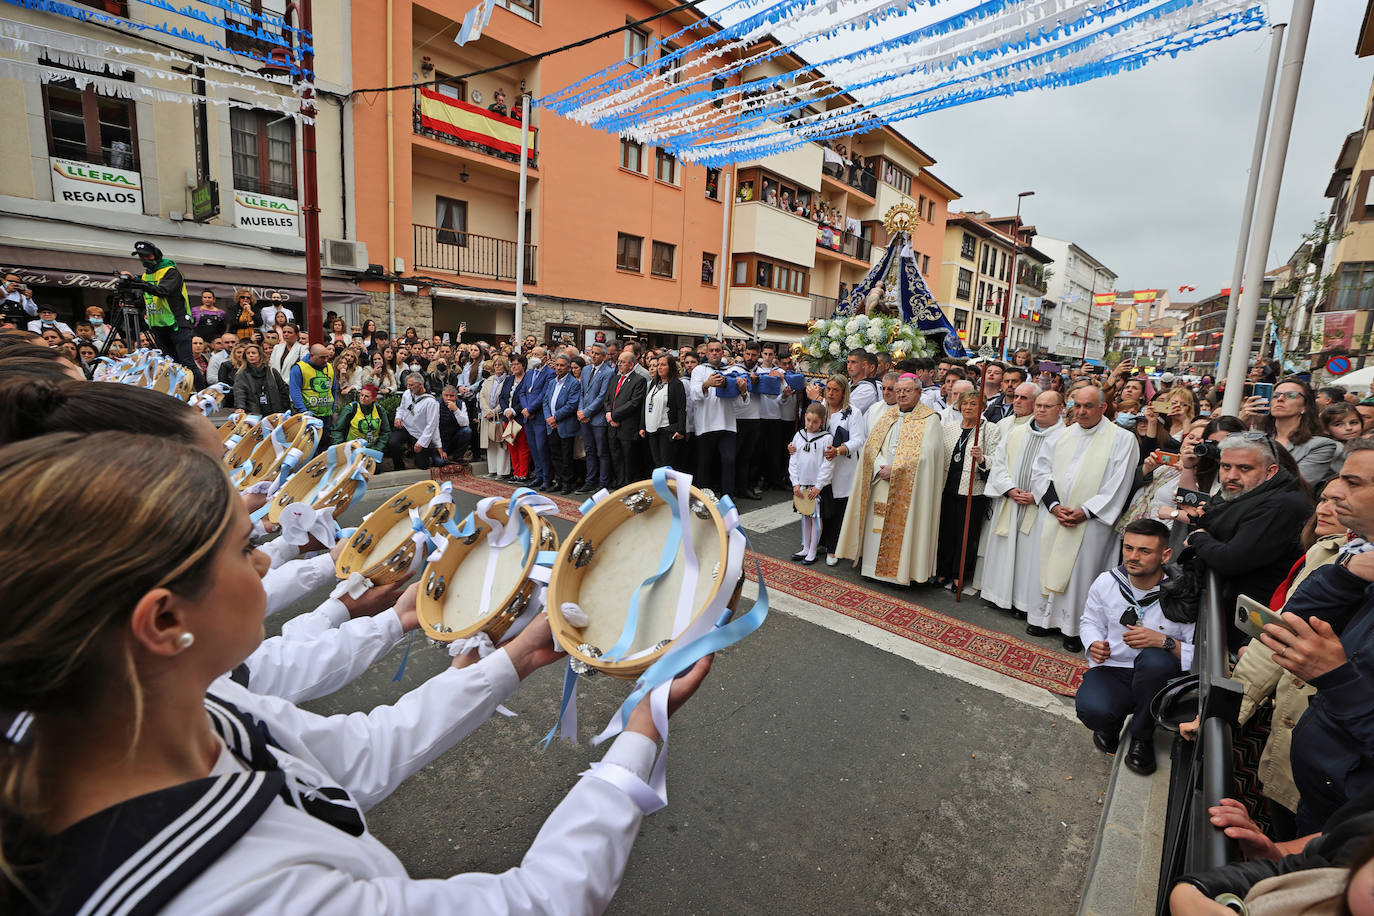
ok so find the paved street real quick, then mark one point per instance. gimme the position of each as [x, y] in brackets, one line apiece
[814, 773]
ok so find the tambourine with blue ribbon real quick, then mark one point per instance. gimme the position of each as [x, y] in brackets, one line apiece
[394, 540]
[330, 481]
[281, 451]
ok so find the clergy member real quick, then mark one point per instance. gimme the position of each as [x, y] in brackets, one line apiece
[892, 521]
[889, 398]
[1082, 476]
[1010, 569]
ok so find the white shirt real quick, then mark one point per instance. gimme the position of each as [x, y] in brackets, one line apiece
[749, 409]
[807, 466]
[1102, 621]
[713, 414]
[269, 315]
[769, 407]
[36, 326]
[212, 367]
[420, 417]
[284, 357]
[26, 302]
[932, 398]
[864, 394]
[656, 409]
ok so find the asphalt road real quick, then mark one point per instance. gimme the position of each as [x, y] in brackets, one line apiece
[813, 773]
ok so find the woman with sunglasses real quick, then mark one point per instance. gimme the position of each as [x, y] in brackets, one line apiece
[245, 321]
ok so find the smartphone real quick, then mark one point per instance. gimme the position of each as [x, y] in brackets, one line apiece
[1191, 498]
[1264, 390]
[1168, 459]
[1252, 615]
[447, 338]
[462, 327]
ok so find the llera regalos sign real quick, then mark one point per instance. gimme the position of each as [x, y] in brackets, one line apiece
[265, 213]
[96, 186]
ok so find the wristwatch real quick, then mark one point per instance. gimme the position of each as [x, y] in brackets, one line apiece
[1169, 643]
[1173, 515]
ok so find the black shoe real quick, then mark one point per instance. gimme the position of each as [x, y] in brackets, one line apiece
[1073, 644]
[1141, 757]
[1033, 630]
[567, 491]
[799, 555]
[535, 484]
[583, 491]
[751, 494]
[1018, 615]
[1107, 741]
[520, 480]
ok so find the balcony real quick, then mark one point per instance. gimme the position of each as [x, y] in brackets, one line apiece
[470, 255]
[847, 178]
[1034, 278]
[475, 130]
[823, 306]
[828, 241]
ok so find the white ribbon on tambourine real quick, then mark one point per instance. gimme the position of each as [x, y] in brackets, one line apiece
[482, 641]
[503, 534]
[300, 521]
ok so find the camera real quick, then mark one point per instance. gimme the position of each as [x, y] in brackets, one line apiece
[1207, 450]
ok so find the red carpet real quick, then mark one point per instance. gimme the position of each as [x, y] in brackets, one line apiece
[1057, 672]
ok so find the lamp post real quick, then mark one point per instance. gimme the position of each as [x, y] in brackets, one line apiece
[1092, 301]
[1011, 286]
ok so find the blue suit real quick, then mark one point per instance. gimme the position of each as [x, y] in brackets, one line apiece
[596, 382]
[565, 411]
[531, 397]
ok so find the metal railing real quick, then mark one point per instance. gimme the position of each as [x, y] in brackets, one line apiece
[469, 254]
[858, 179]
[1202, 769]
[846, 243]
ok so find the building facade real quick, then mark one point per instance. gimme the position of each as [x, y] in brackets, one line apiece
[976, 281]
[123, 135]
[1079, 327]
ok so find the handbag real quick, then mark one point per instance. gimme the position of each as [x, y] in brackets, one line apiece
[510, 432]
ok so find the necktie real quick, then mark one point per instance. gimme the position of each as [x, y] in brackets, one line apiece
[618, 384]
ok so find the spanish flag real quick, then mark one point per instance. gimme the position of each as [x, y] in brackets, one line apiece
[468, 122]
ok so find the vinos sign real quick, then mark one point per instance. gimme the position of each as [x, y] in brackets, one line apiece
[96, 186]
[265, 213]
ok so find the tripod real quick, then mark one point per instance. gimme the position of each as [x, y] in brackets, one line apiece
[129, 324]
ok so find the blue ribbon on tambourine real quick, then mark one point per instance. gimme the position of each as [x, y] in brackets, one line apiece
[765, 383]
[796, 381]
[730, 389]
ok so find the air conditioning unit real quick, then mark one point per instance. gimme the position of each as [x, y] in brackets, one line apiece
[341, 254]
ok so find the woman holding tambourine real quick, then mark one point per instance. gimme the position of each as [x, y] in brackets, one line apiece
[209, 798]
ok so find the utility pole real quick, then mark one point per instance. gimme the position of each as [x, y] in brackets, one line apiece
[520, 218]
[310, 190]
[1011, 286]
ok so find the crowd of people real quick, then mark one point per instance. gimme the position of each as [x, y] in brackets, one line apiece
[1084, 503]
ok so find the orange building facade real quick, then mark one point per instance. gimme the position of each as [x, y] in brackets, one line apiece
[620, 238]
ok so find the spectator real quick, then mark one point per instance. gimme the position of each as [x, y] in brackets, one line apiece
[245, 319]
[561, 396]
[455, 428]
[1325, 397]
[591, 414]
[96, 316]
[275, 313]
[365, 419]
[415, 430]
[1155, 498]
[200, 363]
[962, 457]
[532, 417]
[258, 388]
[665, 409]
[1293, 422]
[313, 386]
[210, 320]
[1366, 410]
[349, 375]
[494, 391]
[338, 332]
[1342, 422]
[221, 347]
[290, 351]
[1249, 535]
[379, 375]
[88, 354]
[441, 375]
[1135, 645]
[625, 417]
[511, 411]
[1166, 433]
[498, 103]
[230, 368]
[47, 318]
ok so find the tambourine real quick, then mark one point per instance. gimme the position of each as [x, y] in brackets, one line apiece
[174, 379]
[250, 432]
[383, 547]
[295, 438]
[608, 552]
[328, 481]
[477, 587]
[235, 423]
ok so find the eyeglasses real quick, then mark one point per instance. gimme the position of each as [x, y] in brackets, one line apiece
[1288, 395]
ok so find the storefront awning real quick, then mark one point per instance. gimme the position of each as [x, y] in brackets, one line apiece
[73, 270]
[783, 333]
[669, 323]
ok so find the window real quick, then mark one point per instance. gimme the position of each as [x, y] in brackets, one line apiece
[1002, 270]
[113, 7]
[708, 268]
[741, 273]
[89, 127]
[925, 264]
[896, 176]
[769, 274]
[526, 9]
[983, 262]
[637, 46]
[964, 289]
[662, 264]
[457, 89]
[930, 214]
[669, 71]
[665, 166]
[713, 184]
[627, 251]
[1364, 197]
[1355, 286]
[632, 155]
[982, 293]
[451, 218]
[237, 41]
[264, 146]
[968, 247]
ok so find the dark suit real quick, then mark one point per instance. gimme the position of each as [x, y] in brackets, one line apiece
[625, 404]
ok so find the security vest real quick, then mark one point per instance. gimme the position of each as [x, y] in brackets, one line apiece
[317, 388]
[164, 314]
[365, 425]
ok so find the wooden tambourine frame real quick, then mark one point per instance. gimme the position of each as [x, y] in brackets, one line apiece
[235, 420]
[264, 460]
[336, 494]
[605, 557]
[454, 582]
[250, 439]
[162, 382]
[381, 549]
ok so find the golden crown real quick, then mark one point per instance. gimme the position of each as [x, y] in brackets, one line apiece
[902, 217]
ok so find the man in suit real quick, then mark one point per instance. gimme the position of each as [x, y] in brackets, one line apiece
[561, 397]
[591, 413]
[532, 418]
[625, 415]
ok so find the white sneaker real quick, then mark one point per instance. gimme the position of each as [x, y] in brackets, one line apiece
[831, 560]
[970, 591]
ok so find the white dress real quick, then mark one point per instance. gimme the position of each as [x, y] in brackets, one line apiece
[1009, 571]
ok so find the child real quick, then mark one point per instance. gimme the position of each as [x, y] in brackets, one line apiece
[810, 473]
[1342, 422]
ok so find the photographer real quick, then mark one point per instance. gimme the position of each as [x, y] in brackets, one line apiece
[164, 296]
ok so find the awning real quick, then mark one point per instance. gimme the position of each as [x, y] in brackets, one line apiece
[783, 333]
[40, 267]
[669, 323]
[495, 300]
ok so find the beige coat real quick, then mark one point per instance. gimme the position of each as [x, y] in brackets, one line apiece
[987, 441]
[1263, 678]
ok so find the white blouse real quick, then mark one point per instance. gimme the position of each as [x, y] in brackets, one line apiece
[656, 408]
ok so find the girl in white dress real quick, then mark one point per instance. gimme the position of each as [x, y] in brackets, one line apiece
[810, 472]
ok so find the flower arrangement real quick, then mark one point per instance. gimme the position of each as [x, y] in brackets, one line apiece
[829, 340]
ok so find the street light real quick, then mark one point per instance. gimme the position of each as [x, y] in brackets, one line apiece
[1092, 301]
[1011, 287]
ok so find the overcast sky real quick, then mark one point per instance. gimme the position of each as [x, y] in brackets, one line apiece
[1147, 170]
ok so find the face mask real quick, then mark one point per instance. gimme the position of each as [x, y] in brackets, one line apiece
[96, 322]
[534, 362]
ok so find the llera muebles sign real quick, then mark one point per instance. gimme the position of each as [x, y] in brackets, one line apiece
[96, 186]
[265, 213]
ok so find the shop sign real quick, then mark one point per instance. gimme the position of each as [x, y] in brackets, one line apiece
[205, 201]
[265, 213]
[100, 186]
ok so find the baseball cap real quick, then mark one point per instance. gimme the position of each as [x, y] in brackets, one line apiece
[147, 251]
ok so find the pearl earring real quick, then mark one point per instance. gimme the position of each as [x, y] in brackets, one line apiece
[185, 640]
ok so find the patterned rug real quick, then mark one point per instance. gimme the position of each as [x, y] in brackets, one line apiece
[1057, 672]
